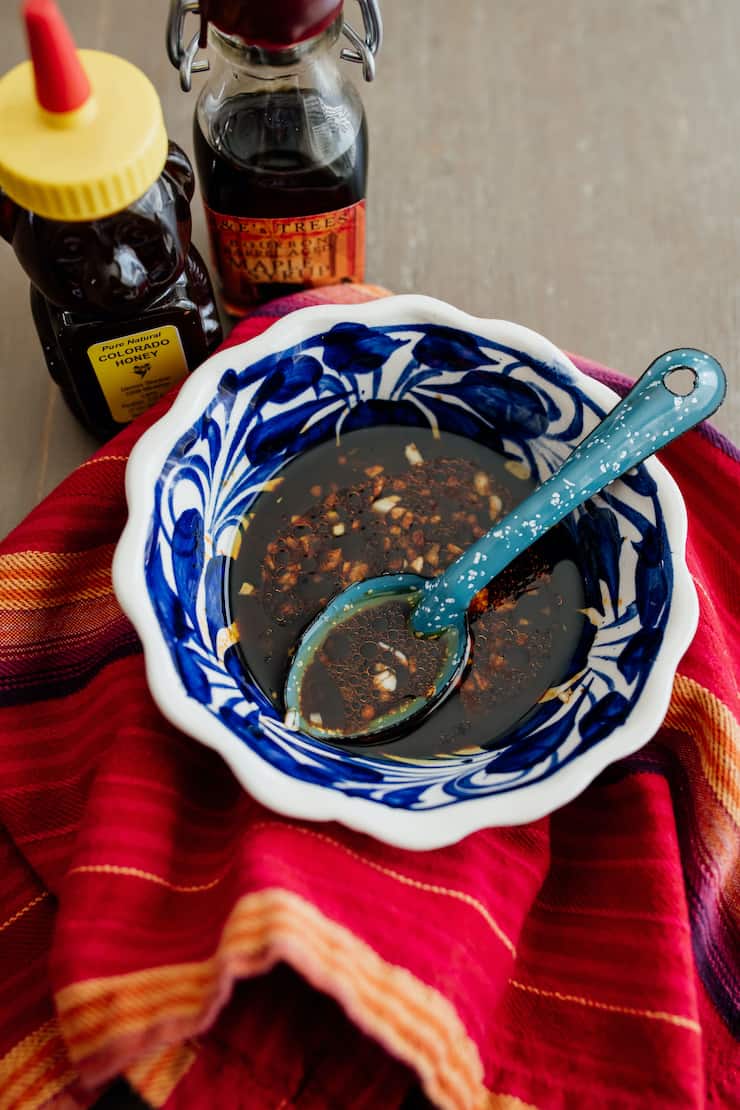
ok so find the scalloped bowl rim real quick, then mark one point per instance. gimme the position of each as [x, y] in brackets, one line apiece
[413, 829]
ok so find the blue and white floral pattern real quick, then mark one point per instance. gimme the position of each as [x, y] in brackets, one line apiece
[193, 477]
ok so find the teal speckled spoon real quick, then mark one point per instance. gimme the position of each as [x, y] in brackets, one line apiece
[678, 390]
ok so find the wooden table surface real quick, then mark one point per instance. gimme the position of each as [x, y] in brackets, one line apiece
[574, 167]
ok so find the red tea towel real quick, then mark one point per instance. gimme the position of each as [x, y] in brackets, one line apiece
[157, 923]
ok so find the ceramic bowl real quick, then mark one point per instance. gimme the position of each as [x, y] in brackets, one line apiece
[320, 372]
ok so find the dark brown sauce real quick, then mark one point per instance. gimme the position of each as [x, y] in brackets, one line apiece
[262, 161]
[389, 499]
[369, 666]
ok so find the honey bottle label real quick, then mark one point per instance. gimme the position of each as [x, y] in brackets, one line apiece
[136, 370]
[305, 250]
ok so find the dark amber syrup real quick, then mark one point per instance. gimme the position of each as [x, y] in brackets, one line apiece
[264, 159]
[67, 336]
[120, 276]
[369, 506]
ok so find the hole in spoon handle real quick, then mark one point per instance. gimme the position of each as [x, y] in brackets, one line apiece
[694, 382]
[680, 381]
[677, 391]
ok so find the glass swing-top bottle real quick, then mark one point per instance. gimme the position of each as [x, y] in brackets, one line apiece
[280, 142]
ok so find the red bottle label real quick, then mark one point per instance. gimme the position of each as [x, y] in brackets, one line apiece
[302, 250]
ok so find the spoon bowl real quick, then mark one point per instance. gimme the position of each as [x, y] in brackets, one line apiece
[359, 598]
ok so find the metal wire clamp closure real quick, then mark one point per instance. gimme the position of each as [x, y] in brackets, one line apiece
[365, 49]
[184, 57]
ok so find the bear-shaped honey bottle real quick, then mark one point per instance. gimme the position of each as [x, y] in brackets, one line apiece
[96, 204]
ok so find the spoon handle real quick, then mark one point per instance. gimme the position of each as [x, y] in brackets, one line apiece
[651, 415]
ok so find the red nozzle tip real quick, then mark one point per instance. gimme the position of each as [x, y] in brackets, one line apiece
[61, 82]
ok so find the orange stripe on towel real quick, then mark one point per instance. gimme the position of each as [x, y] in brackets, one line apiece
[412, 1020]
[35, 1069]
[23, 910]
[148, 876]
[408, 880]
[156, 1075]
[718, 742]
[610, 1007]
[46, 579]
